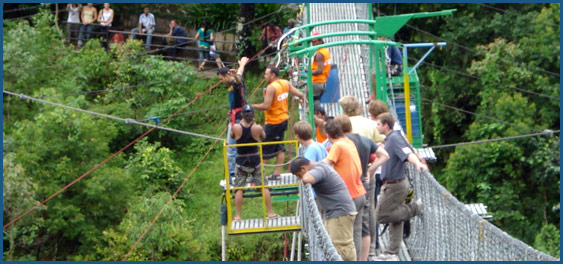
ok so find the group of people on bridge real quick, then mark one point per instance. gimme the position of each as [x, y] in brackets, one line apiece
[356, 166]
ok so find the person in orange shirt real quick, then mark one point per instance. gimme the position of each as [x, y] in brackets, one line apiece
[320, 68]
[320, 121]
[275, 108]
[344, 157]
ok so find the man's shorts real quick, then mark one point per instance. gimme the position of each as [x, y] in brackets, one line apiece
[365, 219]
[318, 90]
[273, 133]
[243, 172]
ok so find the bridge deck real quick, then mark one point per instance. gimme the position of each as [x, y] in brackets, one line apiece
[384, 240]
[287, 179]
[260, 225]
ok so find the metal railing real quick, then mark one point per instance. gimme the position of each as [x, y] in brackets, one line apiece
[320, 247]
[190, 45]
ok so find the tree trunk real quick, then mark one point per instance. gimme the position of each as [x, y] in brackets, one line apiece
[56, 20]
[244, 31]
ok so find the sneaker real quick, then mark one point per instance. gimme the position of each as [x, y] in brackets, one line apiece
[387, 257]
[420, 208]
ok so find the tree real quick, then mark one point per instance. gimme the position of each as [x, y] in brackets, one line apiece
[170, 238]
[17, 196]
[244, 31]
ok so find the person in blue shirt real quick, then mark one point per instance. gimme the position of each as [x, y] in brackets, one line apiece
[396, 57]
[176, 38]
[314, 151]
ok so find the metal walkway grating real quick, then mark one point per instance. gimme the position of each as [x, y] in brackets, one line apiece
[260, 225]
[286, 179]
[352, 60]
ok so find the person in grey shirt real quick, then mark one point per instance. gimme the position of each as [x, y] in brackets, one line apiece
[391, 207]
[332, 194]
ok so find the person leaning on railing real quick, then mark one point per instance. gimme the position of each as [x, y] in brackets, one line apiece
[73, 21]
[105, 17]
[335, 200]
[88, 17]
[146, 25]
[175, 31]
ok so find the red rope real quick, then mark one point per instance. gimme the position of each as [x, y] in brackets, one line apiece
[182, 185]
[199, 95]
[173, 196]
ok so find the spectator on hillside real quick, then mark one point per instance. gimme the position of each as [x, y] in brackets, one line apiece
[73, 21]
[205, 38]
[175, 39]
[146, 25]
[290, 25]
[88, 17]
[105, 17]
[214, 55]
[270, 34]
[118, 38]
[334, 198]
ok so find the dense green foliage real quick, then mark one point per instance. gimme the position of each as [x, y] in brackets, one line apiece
[101, 216]
[501, 62]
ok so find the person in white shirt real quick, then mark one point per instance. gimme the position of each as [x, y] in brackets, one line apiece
[73, 21]
[146, 25]
[105, 17]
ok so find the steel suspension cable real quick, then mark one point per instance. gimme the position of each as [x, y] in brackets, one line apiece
[470, 49]
[546, 132]
[484, 80]
[510, 13]
[476, 114]
[182, 185]
[475, 51]
[125, 120]
[106, 160]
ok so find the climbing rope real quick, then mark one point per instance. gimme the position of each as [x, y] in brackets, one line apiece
[174, 195]
[185, 180]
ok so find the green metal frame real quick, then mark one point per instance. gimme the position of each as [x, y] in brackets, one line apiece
[381, 26]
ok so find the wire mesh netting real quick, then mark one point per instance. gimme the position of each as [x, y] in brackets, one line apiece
[448, 230]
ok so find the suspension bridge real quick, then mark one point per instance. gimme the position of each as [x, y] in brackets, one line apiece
[449, 229]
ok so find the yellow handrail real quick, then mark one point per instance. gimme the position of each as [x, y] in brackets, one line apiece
[262, 187]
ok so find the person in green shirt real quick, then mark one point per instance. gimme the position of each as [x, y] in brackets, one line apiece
[205, 39]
